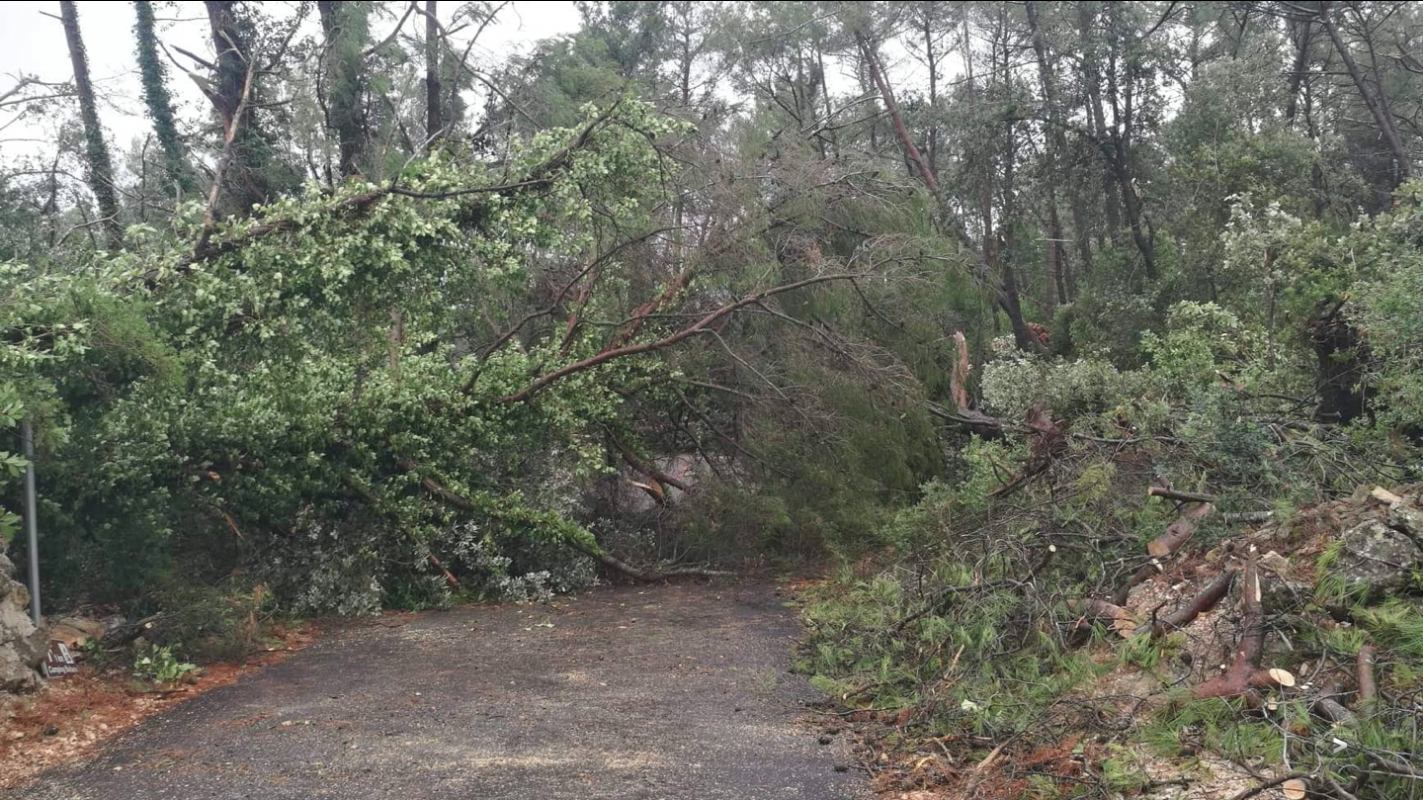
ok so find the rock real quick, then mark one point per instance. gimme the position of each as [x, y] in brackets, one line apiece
[1276, 563]
[75, 631]
[1286, 595]
[22, 646]
[1407, 519]
[1374, 555]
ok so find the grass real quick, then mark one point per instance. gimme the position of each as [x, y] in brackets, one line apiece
[1214, 724]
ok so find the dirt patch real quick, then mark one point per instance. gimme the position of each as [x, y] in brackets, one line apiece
[69, 718]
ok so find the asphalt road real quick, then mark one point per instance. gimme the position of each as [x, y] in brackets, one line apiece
[636, 694]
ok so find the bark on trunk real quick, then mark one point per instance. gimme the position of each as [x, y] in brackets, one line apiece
[1092, 84]
[1005, 287]
[1341, 362]
[1056, 145]
[434, 121]
[1373, 98]
[96, 150]
[1179, 532]
[158, 100]
[344, 27]
[245, 181]
[1301, 34]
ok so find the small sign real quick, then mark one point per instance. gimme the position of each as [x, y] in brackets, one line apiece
[59, 661]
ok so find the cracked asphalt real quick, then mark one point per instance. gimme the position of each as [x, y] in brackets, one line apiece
[650, 693]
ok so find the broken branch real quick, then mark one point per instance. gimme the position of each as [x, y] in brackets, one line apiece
[1172, 494]
[1204, 601]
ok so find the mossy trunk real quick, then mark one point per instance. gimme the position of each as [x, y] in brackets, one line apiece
[159, 101]
[96, 151]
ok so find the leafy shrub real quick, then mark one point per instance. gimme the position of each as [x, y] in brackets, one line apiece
[1015, 382]
[157, 664]
[1390, 304]
[1198, 338]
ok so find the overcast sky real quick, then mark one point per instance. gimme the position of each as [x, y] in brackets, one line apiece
[32, 43]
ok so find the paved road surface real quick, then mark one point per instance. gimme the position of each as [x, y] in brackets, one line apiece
[671, 692]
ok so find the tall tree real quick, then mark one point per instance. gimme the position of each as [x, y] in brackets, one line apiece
[1003, 285]
[1056, 145]
[252, 175]
[1368, 87]
[347, 31]
[96, 150]
[158, 100]
[434, 121]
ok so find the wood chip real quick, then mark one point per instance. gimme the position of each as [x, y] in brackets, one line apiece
[1385, 496]
[1282, 677]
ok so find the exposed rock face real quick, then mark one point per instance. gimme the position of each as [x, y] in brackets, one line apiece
[1373, 555]
[22, 646]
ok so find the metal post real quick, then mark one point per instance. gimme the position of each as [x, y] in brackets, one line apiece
[27, 442]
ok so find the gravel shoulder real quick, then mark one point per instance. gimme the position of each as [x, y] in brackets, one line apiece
[677, 691]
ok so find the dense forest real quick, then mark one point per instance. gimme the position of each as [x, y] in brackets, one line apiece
[965, 302]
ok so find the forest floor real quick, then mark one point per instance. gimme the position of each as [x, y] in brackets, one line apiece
[656, 692]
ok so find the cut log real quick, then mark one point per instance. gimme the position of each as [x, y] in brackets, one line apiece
[1096, 611]
[1204, 601]
[1273, 677]
[1247, 517]
[1142, 575]
[1364, 670]
[120, 635]
[1179, 532]
[1334, 711]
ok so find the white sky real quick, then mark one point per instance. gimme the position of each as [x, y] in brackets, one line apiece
[32, 43]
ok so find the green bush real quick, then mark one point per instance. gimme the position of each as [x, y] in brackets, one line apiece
[157, 664]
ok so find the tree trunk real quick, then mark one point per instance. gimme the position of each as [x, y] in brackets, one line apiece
[1096, 117]
[901, 131]
[159, 101]
[1341, 356]
[346, 31]
[1005, 287]
[933, 135]
[1123, 122]
[96, 150]
[1056, 144]
[1373, 98]
[1236, 680]
[245, 180]
[1301, 34]
[434, 123]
